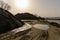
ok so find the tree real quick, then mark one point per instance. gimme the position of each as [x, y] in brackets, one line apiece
[4, 5]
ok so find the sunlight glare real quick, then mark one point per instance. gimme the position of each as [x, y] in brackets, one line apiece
[22, 4]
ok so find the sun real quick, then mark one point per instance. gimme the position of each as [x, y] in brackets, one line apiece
[22, 4]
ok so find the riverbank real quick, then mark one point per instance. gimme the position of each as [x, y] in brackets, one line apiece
[38, 31]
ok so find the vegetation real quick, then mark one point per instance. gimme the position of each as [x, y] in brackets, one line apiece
[26, 16]
[8, 21]
[54, 24]
[4, 5]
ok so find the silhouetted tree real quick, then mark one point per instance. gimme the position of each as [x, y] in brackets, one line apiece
[4, 5]
[41, 18]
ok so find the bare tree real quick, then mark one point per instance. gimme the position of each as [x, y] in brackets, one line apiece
[4, 5]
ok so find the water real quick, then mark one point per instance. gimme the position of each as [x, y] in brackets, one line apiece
[57, 21]
[41, 26]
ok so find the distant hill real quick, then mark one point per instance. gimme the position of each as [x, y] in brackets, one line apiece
[53, 18]
[26, 16]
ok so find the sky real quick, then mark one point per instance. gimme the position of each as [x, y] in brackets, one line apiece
[44, 8]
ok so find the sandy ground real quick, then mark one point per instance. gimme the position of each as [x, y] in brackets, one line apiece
[37, 32]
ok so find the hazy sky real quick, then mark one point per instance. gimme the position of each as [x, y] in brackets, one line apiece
[44, 8]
